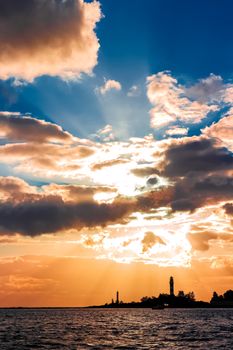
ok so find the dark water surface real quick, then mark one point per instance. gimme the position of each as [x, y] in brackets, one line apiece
[127, 329]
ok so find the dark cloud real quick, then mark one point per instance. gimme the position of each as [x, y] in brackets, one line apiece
[195, 192]
[190, 158]
[31, 211]
[152, 180]
[50, 214]
[58, 207]
[199, 171]
[24, 128]
[155, 199]
[228, 208]
[195, 156]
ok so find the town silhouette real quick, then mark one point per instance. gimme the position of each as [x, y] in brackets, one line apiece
[171, 300]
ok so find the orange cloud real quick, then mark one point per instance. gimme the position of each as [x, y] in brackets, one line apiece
[13, 188]
[45, 159]
[109, 163]
[200, 240]
[76, 193]
[149, 240]
[222, 130]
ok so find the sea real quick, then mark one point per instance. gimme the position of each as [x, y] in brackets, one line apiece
[127, 329]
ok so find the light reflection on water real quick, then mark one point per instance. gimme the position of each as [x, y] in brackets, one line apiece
[128, 329]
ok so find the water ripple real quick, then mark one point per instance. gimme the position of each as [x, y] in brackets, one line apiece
[123, 329]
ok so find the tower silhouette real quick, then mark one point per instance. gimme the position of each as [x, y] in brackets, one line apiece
[171, 286]
[117, 297]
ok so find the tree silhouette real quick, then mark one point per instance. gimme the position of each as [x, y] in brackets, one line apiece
[228, 295]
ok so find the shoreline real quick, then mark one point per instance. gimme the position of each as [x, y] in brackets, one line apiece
[108, 307]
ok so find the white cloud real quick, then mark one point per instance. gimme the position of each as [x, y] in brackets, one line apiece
[208, 90]
[228, 96]
[175, 130]
[171, 103]
[110, 85]
[134, 91]
[105, 134]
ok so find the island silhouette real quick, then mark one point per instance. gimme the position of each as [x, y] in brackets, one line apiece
[181, 300]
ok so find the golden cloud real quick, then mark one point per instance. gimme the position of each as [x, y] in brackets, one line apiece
[49, 37]
[149, 240]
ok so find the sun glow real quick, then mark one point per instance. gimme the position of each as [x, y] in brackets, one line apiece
[120, 177]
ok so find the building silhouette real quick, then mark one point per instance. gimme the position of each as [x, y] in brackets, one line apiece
[171, 286]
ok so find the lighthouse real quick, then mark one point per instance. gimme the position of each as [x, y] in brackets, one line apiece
[171, 286]
[117, 297]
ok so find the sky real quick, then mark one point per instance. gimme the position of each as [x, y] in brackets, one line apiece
[116, 152]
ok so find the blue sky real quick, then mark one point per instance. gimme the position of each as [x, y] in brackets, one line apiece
[189, 38]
